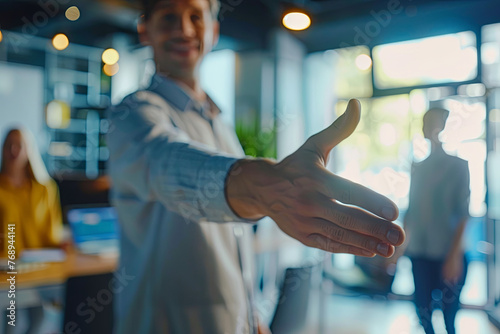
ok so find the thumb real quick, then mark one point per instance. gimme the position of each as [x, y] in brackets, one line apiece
[339, 130]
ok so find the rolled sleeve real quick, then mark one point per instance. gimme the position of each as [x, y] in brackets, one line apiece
[211, 189]
[153, 160]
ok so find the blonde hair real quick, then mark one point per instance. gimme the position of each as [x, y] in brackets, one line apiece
[36, 166]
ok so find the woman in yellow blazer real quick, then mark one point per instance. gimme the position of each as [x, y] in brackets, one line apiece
[29, 197]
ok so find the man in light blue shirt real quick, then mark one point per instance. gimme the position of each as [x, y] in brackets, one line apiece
[435, 222]
[186, 196]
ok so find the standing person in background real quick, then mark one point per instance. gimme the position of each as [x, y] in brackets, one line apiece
[435, 224]
[29, 198]
[186, 196]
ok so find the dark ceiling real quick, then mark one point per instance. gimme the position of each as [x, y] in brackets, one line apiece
[247, 23]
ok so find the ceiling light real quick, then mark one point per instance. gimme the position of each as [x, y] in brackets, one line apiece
[296, 21]
[110, 70]
[60, 42]
[110, 56]
[363, 62]
[72, 13]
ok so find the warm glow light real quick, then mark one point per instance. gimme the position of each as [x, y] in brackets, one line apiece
[58, 114]
[363, 62]
[110, 70]
[73, 13]
[1, 36]
[296, 21]
[110, 56]
[60, 149]
[60, 42]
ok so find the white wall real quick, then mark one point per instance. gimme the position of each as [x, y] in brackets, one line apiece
[21, 100]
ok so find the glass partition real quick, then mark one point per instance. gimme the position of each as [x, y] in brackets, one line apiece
[490, 55]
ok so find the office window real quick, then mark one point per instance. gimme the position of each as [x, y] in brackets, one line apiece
[351, 71]
[464, 136]
[376, 155]
[433, 60]
[218, 80]
[490, 54]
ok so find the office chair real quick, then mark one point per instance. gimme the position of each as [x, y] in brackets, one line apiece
[291, 312]
[88, 307]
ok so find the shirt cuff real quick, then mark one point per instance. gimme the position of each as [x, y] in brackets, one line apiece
[211, 194]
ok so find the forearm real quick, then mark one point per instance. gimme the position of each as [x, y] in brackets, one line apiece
[186, 179]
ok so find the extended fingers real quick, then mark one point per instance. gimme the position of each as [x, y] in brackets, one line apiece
[357, 220]
[348, 237]
[349, 192]
[326, 244]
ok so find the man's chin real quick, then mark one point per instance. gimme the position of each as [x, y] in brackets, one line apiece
[183, 66]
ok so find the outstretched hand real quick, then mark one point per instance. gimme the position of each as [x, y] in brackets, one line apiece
[313, 205]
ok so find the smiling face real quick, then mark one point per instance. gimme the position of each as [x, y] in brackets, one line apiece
[181, 33]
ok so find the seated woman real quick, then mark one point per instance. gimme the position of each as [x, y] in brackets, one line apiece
[29, 198]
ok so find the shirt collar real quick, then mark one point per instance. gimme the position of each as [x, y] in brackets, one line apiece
[179, 97]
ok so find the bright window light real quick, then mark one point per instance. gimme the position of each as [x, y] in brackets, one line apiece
[351, 71]
[387, 134]
[463, 137]
[490, 54]
[441, 59]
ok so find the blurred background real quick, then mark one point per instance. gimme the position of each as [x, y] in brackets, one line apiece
[64, 62]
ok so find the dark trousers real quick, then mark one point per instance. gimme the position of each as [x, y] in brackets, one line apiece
[431, 291]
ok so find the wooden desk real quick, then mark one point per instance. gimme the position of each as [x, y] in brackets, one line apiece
[58, 272]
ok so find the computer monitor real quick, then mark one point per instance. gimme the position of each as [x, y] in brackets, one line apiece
[95, 228]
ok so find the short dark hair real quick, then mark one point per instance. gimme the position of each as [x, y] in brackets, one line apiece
[149, 5]
[439, 114]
